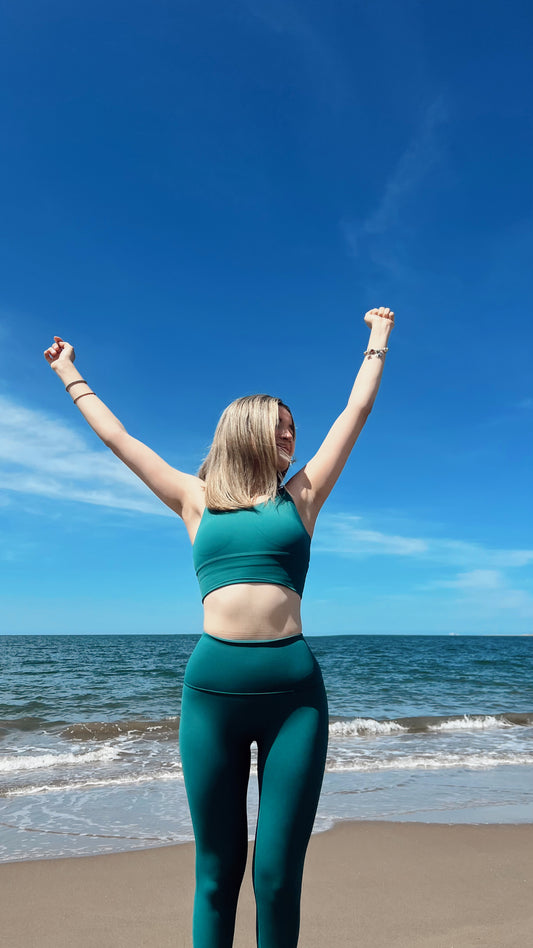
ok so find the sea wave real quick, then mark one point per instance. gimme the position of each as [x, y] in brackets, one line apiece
[367, 727]
[345, 726]
[411, 762]
[471, 722]
[94, 783]
[22, 762]
[23, 724]
[335, 764]
[372, 727]
[104, 730]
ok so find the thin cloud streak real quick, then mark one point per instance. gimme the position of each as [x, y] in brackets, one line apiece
[58, 490]
[482, 586]
[43, 456]
[327, 71]
[475, 579]
[488, 590]
[340, 534]
[414, 165]
[375, 234]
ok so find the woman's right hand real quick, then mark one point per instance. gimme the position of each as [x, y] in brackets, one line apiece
[59, 353]
[379, 316]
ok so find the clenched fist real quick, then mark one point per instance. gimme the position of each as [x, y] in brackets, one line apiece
[378, 315]
[59, 353]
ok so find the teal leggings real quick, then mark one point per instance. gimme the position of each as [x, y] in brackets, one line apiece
[235, 693]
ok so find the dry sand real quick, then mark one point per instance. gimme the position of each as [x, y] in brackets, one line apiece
[367, 885]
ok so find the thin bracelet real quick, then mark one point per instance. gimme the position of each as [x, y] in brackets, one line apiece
[75, 382]
[82, 396]
[378, 352]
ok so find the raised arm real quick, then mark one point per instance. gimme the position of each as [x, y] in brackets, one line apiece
[181, 492]
[314, 482]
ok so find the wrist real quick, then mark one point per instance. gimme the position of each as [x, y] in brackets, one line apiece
[379, 334]
[67, 372]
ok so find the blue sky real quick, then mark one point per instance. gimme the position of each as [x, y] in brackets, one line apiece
[204, 199]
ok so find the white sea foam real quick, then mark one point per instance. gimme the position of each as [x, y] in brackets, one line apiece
[471, 722]
[17, 763]
[364, 727]
[131, 780]
[427, 762]
[335, 764]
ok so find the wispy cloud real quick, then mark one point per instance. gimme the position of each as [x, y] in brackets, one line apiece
[340, 533]
[526, 404]
[481, 583]
[489, 588]
[414, 165]
[514, 413]
[326, 70]
[283, 16]
[461, 553]
[343, 534]
[43, 456]
[475, 579]
[421, 157]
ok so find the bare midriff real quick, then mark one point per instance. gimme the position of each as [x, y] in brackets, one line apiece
[252, 611]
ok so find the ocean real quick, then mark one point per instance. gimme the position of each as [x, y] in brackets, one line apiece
[425, 728]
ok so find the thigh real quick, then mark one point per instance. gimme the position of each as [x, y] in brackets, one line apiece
[291, 761]
[215, 757]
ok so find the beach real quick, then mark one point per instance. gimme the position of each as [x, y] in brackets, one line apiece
[424, 832]
[422, 729]
[366, 885]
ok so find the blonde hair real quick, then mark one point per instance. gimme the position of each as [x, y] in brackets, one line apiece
[242, 462]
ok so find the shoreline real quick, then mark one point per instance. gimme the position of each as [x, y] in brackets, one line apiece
[374, 884]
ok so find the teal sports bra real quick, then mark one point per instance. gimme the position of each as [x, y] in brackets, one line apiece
[266, 543]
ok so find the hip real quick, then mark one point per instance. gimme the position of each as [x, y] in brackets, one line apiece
[237, 667]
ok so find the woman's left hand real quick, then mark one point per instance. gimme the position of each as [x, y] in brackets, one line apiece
[376, 316]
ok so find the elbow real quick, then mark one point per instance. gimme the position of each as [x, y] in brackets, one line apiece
[359, 410]
[109, 439]
[113, 439]
[364, 409]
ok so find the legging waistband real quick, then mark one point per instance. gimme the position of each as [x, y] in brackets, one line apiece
[236, 667]
[284, 640]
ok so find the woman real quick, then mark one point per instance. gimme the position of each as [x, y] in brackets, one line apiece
[252, 676]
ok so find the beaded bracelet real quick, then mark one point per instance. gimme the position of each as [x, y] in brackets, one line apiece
[82, 396]
[75, 382]
[377, 352]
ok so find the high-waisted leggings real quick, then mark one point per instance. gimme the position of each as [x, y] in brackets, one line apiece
[235, 693]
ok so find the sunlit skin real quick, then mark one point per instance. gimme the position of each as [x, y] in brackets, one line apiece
[244, 610]
[284, 439]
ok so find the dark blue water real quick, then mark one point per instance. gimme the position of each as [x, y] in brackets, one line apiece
[75, 678]
[421, 727]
